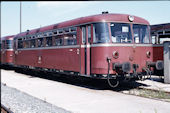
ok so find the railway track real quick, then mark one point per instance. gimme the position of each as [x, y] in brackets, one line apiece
[5, 109]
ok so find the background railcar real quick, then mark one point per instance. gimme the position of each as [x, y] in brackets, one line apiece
[160, 33]
[7, 52]
[100, 46]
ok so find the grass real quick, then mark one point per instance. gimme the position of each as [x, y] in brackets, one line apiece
[151, 94]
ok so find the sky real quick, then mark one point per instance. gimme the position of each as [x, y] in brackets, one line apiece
[39, 14]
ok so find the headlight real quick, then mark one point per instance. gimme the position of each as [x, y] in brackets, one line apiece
[115, 54]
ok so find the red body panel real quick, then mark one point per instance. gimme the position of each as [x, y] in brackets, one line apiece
[60, 58]
[99, 55]
[7, 57]
[157, 53]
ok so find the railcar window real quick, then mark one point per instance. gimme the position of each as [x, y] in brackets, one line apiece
[89, 34]
[100, 33]
[153, 39]
[3, 44]
[59, 40]
[8, 41]
[26, 45]
[66, 30]
[32, 45]
[40, 42]
[70, 39]
[121, 33]
[141, 33]
[60, 31]
[73, 29]
[48, 41]
[20, 43]
[83, 35]
[55, 32]
[9, 44]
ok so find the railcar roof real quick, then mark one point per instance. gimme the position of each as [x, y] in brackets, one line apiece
[7, 37]
[88, 19]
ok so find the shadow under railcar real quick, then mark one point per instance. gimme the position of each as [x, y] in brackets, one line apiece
[96, 84]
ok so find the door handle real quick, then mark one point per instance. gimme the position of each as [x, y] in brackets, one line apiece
[78, 51]
[39, 59]
[70, 49]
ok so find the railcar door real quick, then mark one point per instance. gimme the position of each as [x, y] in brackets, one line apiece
[85, 50]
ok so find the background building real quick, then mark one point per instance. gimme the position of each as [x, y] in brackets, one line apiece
[160, 33]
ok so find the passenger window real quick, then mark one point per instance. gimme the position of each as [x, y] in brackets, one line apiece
[26, 45]
[40, 42]
[58, 40]
[32, 43]
[71, 39]
[20, 43]
[48, 41]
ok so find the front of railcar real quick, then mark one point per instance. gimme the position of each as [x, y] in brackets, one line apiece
[122, 49]
[7, 52]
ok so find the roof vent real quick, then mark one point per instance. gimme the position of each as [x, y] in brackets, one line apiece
[27, 31]
[105, 12]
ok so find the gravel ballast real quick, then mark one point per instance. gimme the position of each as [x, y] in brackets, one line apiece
[20, 102]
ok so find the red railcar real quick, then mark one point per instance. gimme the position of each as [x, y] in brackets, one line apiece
[105, 46]
[160, 33]
[7, 52]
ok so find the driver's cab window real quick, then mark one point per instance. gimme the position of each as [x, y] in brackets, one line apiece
[120, 33]
[101, 33]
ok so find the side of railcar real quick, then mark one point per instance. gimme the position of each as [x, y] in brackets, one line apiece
[158, 57]
[100, 46]
[52, 50]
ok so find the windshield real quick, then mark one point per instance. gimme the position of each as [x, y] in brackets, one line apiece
[120, 33]
[141, 33]
[8, 44]
[100, 33]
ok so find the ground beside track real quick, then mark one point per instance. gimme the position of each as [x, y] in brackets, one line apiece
[80, 98]
[20, 102]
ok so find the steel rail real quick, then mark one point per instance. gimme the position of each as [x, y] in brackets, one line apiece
[5, 109]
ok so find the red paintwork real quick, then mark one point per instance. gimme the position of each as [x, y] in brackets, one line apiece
[157, 53]
[100, 54]
[96, 63]
[51, 58]
[6, 54]
[6, 58]
[94, 18]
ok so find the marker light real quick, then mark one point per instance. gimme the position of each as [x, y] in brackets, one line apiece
[131, 18]
[148, 54]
